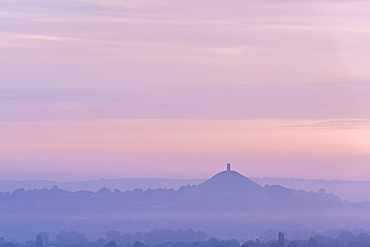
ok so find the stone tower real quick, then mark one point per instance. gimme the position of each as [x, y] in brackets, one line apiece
[228, 167]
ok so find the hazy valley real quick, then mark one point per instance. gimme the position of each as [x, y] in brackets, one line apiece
[228, 205]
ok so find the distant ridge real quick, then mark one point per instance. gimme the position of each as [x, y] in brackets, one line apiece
[95, 185]
[225, 191]
[342, 188]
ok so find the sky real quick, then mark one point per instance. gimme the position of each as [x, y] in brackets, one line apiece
[176, 89]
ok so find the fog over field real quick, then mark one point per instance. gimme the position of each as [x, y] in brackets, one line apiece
[228, 205]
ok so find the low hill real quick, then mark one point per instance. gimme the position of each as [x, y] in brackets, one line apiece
[228, 203]
[227, 190]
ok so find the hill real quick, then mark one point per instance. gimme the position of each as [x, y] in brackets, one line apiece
[228, 199]
[354, 191]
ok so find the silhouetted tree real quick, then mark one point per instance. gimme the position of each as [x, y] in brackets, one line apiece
[345, 238]
[99, 243]
[281, 239]
[111, 244]
[44, 237]
[230, 243]
[312, 243]
[213, 242]
[250, 243]
[39, 242]
[138, 244]
[200, 235]
[71, 238]
[363, 238]
[127, 239]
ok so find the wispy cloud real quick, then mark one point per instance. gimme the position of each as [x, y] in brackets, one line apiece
[22, 39]
[217, 101]
[194, 77]
[206, 42]
[334, 124]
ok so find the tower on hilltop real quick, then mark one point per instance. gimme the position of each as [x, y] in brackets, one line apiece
[228, 167]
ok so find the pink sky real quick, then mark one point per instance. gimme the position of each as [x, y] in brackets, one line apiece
[157, 88]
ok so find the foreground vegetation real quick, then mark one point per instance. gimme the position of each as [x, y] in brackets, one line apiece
[186, 238]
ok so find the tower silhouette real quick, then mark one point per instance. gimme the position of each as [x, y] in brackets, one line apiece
[281, 239]
[228, 167]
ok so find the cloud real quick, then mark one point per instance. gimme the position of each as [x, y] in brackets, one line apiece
[335, 124]
[21, 40]
[222, 101]
[94, 60]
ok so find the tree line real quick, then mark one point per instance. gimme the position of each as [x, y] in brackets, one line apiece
[186, 238]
